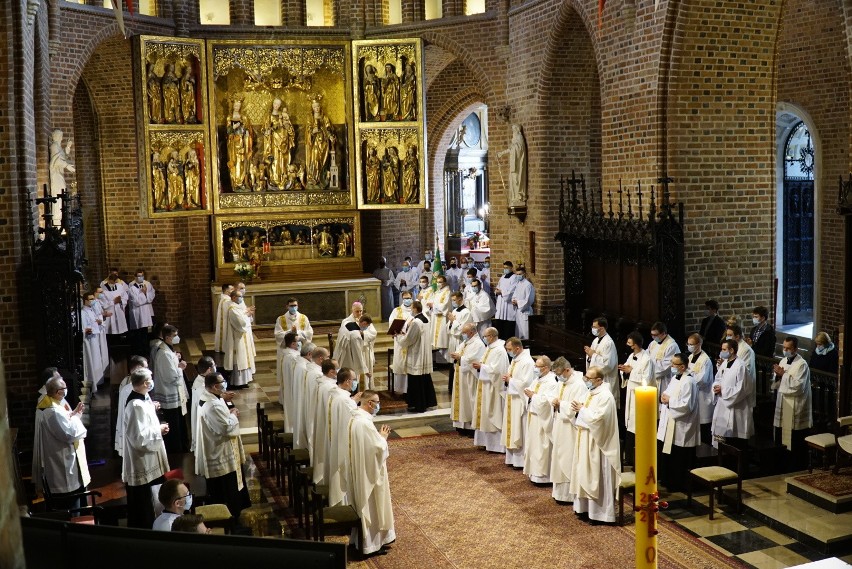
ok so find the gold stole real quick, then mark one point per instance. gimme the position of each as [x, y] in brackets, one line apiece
[477, 416]
[456, 394]
[668, 439]
[509, 408]
[529, 415]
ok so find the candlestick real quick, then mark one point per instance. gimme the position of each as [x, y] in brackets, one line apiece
[645, 496]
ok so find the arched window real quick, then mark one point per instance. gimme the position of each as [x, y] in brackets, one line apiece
[392, 12]
[433, 9]
[474, 7]
[214, 12]
[267, 12]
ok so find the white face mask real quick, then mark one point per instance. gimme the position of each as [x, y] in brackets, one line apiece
[691, 348]
[536, 372]
[140, 280]
[595, 331]
[188, 504]
[756, 321]
[175, 340]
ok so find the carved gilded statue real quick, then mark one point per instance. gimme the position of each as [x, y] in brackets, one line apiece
[155, 96]
[176, 182]
[411, 176]
[286, 237]
[238, 250]
[372, 93]
[279, 141]
[341, 246]
[192, 178]
[325, 242]
[171, 95]
[239, 147]
[321, 138]
[346, 238]
[187, 96]
[158, 181]
[390, 94]
[390, 175]
[408, 94]
[294, 178]
[373, 168]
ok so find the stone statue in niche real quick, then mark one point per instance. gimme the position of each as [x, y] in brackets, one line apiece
[390, 94]
[517, 167]
[411, 176]
[60, 161]
[408, 94]
[187, 95]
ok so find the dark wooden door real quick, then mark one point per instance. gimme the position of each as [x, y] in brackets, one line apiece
[798, 251]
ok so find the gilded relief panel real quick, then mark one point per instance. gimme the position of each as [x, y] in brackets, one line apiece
[172, 127]
[282, 125]
[390, 139]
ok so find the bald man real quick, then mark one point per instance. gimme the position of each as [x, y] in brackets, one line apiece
[465, 377]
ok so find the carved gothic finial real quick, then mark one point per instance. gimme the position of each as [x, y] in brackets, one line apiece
[629, 206]
[639, 191]
[652, 211]
[620, 201]
[609, 195]
[583, 188]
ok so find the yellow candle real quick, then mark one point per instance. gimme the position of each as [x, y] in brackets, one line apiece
[646, 477]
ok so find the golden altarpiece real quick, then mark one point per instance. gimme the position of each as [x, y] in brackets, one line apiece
[281, 143]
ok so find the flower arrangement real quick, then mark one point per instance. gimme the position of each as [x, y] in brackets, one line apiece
[478, 239]
[244, 270]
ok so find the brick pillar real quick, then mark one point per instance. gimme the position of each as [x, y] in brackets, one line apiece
[294, 13]
[54, 22]
[412, 11]
[185, 15]
[242, 12]
[451, 8]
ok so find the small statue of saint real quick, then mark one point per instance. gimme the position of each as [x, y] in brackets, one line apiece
[372, 88]
[390, 175]
[158, 182]
[279, 140]
[174, 173]
[60, 161]
[239, 147]
[187, 95]
[325, 242]
[390, 94]
[171, 95]
[154, 88]
[192, 180]
[320, 139]
[411, 176]
[408, 94]
[517, 167]
[374, 176]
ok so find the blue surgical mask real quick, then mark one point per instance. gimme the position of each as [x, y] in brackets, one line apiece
[755, 321]
[455, 304]
[188, 504]
[659, 339]
[519, 278]
[376, 409]
[354, 386]
[239, 300]
[821, 350]
[293, 309]
[407, 301]
[487, 265]
[729, 337]
[506, 272]
[406, 269]
[788, 354]
[536, 372]
[691, 348]
[428, 256]
[464, 265]
[589, 385]
[140, 280]
[725, 354]
[224, 386]
[595, 331]
[475, 289]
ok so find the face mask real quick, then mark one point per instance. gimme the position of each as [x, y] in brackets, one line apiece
[659, 340]
[239, 300]
[455, 304]
[464, 337]
[475, 289]
[140, 280]
[176, 340]
[406, 269]
[788, 354]
[293, 309]
[407, 302]
[725, 355]
[519, 278]
[224, 386]
[487, 265]
[821, 350]
[675, 371]
[102, 296]
[563, 378]
[452, 265]
[756, 321]
[506, 272]
[299, 345]
[188, 504]
[729, 337]
[424, 285]
[595, 331]
[691, 348]
[354, 386]
[150, 385]
[589, 385]
[464, 265]
[429, 257]
[376, 409]
[536, 372]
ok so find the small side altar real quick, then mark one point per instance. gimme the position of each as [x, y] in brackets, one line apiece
[323, 302]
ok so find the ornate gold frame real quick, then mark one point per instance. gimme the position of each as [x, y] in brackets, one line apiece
[263, 62]
[387, 133]
[181, 138]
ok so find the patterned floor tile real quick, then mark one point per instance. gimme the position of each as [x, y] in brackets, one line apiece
[740, 542]
[772, 558]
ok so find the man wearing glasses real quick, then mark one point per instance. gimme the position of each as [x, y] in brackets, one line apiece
[176, 498]
[369, 488]
[59, 453]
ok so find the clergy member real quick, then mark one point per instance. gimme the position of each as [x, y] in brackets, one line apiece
[745, 354]
[239, 343]
[349, 347]
[313, 379]
[564, 432]
[300, 376]
[678, 431]
[537, 443]
[733, 421]
[456, 320]
[505, 312]
[596, 472]
[92, 328]
[406, 279]
[124, 389]
[418, 360]
[454, 275]
[603, 355]
[221, 316]
[144, 460]
[701, 367]
[219, 454]
[59, 450]
[660, 350]
[519, 377]
[368, 346]
[140, 312]
[105, 313]
[636, 371]
[439, 306]
[176, 499]
[171, 391]
[322, 434]
[400, 377]
[116, 293]
[465, 377]
[294, 321]
[793, 418]
[343, 402]
[369, 487]
[285, 365]
[488, 407]
[523, 298]
[481, 306]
